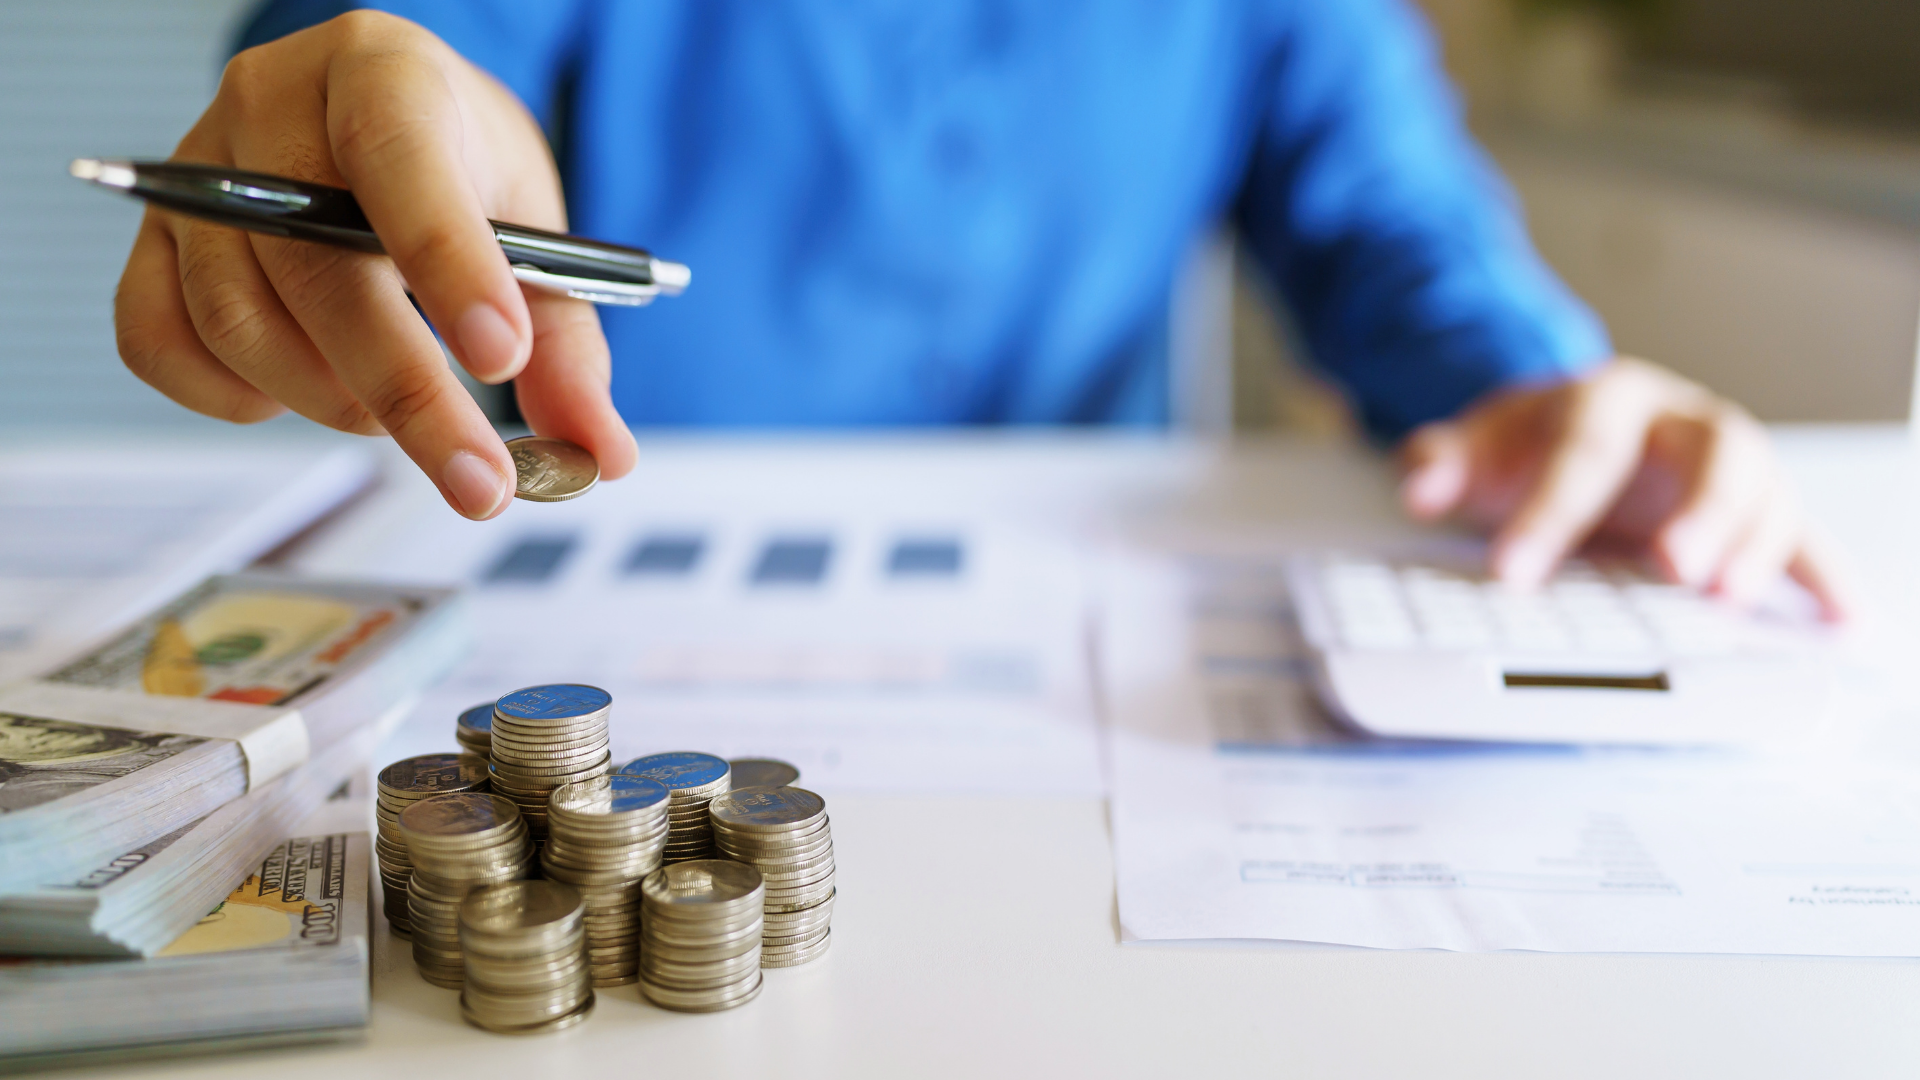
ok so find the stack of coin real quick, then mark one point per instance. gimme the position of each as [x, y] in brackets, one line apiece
[524, 943]
[458, 843]
[603, 836]
[402, 784]
[700, 928]
[474, 730]
[762, 772]
[785, 834]
[694, 779]
[545, 737]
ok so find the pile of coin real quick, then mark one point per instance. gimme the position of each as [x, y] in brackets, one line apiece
[457, 843]
[524, 943]
[546, 737]
[474, 730]
[694, 779]
[700, 924]
[603, 836]
[784, 832]
[402, 784]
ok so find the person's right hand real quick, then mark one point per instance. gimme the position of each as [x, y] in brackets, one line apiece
[238, 325]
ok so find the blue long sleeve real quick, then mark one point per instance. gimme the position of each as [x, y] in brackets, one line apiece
[912, 212]
[1396, 244]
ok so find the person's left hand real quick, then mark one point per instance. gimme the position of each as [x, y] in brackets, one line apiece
[1629, 453]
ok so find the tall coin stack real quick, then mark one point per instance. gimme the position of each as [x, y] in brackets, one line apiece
[694, 779]
[700, 928]
[402, 784]
[474, 729]
[603, 836]
[524, 943]
[785, 834]
[546, 737]
[458, 843]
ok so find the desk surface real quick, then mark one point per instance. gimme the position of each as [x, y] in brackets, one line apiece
[978, 936]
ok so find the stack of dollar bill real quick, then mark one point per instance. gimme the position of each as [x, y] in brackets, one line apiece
[283, 959]
[114, 839]
[694, 779]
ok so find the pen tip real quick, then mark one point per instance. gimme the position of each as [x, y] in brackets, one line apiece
[113, 174]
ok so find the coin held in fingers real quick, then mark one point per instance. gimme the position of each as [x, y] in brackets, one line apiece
[551, 470]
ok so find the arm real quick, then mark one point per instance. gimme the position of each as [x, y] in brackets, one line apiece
[241, 325]
[1415, 286]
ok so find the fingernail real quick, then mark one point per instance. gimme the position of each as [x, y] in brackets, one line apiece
[1689, 559]
[476, 487]
[1524, 564]
[489, 345]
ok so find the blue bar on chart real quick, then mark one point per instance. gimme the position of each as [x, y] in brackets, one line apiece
[531, 560]
[924, 557]
[796, 560]
[665, 555]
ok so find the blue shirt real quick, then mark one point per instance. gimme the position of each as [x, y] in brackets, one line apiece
[904, 212]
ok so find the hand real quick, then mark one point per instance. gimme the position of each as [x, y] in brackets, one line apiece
[238, 325]
[1633, 454]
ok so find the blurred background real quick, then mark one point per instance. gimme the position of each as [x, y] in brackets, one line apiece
[1733, 184]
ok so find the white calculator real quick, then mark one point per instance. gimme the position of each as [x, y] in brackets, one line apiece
[1433, 649]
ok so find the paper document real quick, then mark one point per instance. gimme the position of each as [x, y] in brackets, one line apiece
[96, 537]
[1239, 812]
[876, 651]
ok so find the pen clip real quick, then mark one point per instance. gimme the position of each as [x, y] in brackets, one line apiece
[597, 290]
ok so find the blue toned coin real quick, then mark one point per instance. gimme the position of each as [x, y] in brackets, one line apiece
[557, 701]
[478, 718]
[634, 793]
[678, 769]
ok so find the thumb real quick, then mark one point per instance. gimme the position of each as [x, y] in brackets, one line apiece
[1437, 465]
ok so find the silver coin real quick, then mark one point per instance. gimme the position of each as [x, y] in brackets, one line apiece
[767, 809]
[701, 1001]
[585, 1010]
[461, 815]
[799, 957]
[762, 772]
[551, 470]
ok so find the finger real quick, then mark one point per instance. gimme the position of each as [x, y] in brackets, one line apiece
[1599, 448]
[355, 309]
[1818, 568]
[158, 342]
[237, 313]
[1761, 552]
[564, 393]
[1438, 461]
[1731, 476]
[396, 134]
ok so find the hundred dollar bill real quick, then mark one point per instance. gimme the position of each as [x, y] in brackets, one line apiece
[283, 958]
[90, 767]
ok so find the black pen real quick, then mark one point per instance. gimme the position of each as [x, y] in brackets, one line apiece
[550, 262]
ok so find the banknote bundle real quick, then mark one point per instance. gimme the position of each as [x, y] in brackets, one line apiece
[604, 835]
[785, 834]
[694, 780]
[216, 694]
[457, 843]
[525, 948]
[137, 904]
[402, 784]
[283, 959]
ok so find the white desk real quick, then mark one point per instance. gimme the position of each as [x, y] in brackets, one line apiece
[977, 937]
